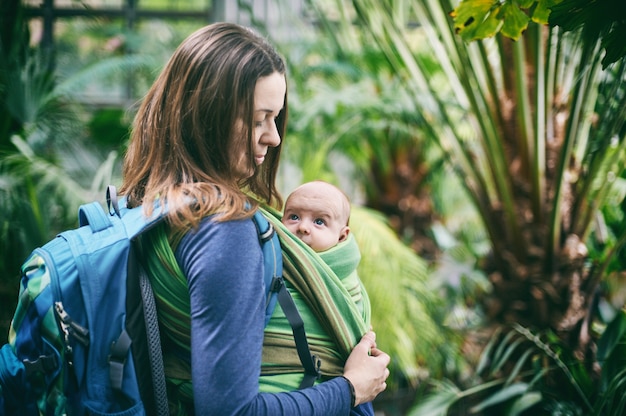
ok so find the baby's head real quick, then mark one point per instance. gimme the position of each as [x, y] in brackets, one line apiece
[318, 213]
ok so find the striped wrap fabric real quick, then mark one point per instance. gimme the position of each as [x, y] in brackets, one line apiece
[334, 307]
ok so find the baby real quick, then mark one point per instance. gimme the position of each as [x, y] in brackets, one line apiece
[318, 213]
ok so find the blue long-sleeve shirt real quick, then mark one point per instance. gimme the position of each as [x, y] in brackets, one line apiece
[224, 268]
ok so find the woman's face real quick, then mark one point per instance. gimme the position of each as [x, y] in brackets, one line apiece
[269, 100]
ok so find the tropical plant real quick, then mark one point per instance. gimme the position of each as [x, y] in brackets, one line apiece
[535, 130]
[402, 300]
[544, 150]
[522, 372]
[57, 150]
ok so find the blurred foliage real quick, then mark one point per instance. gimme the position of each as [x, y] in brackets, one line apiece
[512, 377]
[402, 299]
[534, 129]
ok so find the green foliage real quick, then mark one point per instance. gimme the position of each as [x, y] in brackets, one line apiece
[480, 19]
[535, 132]
[49, 163]
[508, 158]
[521, 387]
[599, 19]
[402, 299]
[108, 128]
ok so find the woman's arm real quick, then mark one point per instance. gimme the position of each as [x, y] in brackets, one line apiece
[223, 264]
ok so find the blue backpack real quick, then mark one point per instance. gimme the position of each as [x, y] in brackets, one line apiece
[85, 329]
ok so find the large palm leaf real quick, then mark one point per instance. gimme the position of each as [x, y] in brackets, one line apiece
[402, 300]
[547, 137]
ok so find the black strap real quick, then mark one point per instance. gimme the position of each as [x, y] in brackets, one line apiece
[310, 362]
[154, 344]
[120, 349]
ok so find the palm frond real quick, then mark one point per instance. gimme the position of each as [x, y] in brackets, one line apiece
[439, 401]
[397, 284]
[102, 70]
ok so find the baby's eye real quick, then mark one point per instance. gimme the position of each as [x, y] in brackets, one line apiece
[293, 217]
[319, 221]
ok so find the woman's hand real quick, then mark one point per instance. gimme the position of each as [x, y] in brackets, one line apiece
[366, 368]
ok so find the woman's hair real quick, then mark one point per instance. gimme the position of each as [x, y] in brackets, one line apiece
[196, 121]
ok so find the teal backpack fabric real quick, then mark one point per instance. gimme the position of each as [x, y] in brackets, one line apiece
[85, 331]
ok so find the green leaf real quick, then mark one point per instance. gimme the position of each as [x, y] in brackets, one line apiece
[486, 354]
[542, 11]
[612, 336]
[477, 19]
[438, 402]
[524, 403]
[518, 366]
[501, 396]
[515, 21]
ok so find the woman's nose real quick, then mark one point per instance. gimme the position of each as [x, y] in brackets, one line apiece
[272, 138]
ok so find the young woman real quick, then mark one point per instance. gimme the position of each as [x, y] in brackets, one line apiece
[209, 130]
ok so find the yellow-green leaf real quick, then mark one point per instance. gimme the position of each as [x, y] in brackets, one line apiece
[515, 21]
[477, 19]
[542, 11]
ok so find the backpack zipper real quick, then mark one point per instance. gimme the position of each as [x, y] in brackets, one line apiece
[67, 326]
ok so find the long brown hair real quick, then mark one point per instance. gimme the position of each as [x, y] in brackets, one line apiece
[184, 142]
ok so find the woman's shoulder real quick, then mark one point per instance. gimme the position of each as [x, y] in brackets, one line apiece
[219, 247]
[223, 233]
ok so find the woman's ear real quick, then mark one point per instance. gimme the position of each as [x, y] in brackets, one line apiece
[343, 234]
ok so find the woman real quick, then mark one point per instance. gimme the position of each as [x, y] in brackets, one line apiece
[209, 130]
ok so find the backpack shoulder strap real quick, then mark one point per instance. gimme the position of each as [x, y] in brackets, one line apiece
[272, 260]
[135, 223]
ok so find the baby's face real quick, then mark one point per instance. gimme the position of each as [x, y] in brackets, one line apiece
[315, 219]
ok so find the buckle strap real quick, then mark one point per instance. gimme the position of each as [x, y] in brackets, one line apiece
[43, 363]
[311, 375]
[268, 233]
[311, 363]
[117, 359]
